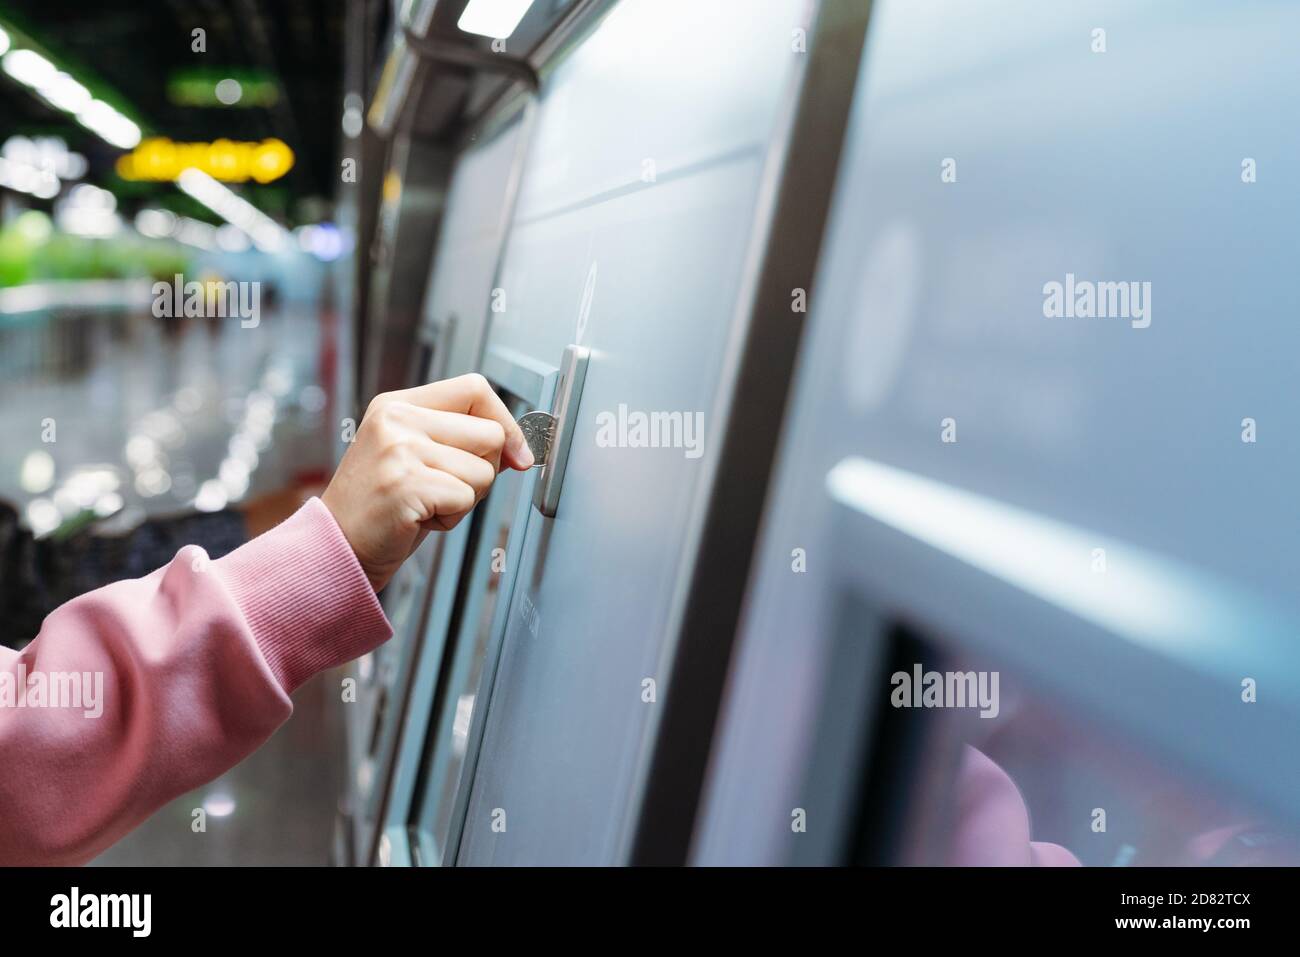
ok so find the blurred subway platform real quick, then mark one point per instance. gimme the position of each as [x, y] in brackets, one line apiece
[155, 410]
[161, 406]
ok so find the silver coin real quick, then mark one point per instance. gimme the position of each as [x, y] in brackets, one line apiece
[538, 429]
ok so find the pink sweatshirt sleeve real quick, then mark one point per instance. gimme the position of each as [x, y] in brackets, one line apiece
[194, 665]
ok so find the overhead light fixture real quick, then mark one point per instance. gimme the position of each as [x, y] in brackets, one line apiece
[155, 223]
[109, 125]
[191, 232]
[46, 156]
[268, 235]
[493, 18]
[26, 178]
[164, 224]
[88, 211]
[232, 239]
[64, 92]
[29, 68]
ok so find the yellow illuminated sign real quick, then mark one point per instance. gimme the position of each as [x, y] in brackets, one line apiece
[161, 160]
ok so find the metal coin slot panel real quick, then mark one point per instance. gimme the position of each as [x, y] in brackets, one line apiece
[568, 392]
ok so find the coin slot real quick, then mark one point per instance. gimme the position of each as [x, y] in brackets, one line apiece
[568, 391]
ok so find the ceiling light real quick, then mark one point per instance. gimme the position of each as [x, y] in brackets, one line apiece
[29, 68]
[493, 18]
[155, 223]
[88, 211]
[266, 233]
[25, 178]
[108, 124]
[232, 239]
[164, 224]
[191, 232]
[65, 93]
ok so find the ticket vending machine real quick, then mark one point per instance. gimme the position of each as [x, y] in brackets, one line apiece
[640, 277]
[1089, 501]
[448, 342]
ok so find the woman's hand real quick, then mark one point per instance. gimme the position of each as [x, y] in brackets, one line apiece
[422, 458]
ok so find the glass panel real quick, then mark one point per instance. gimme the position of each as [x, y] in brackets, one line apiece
[1025, 779]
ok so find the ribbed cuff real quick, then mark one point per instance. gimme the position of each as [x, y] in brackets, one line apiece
[305, 597]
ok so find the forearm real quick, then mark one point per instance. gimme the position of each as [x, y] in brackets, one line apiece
[194, 664]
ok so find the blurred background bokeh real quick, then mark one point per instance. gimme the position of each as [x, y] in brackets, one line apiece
[111, 415]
